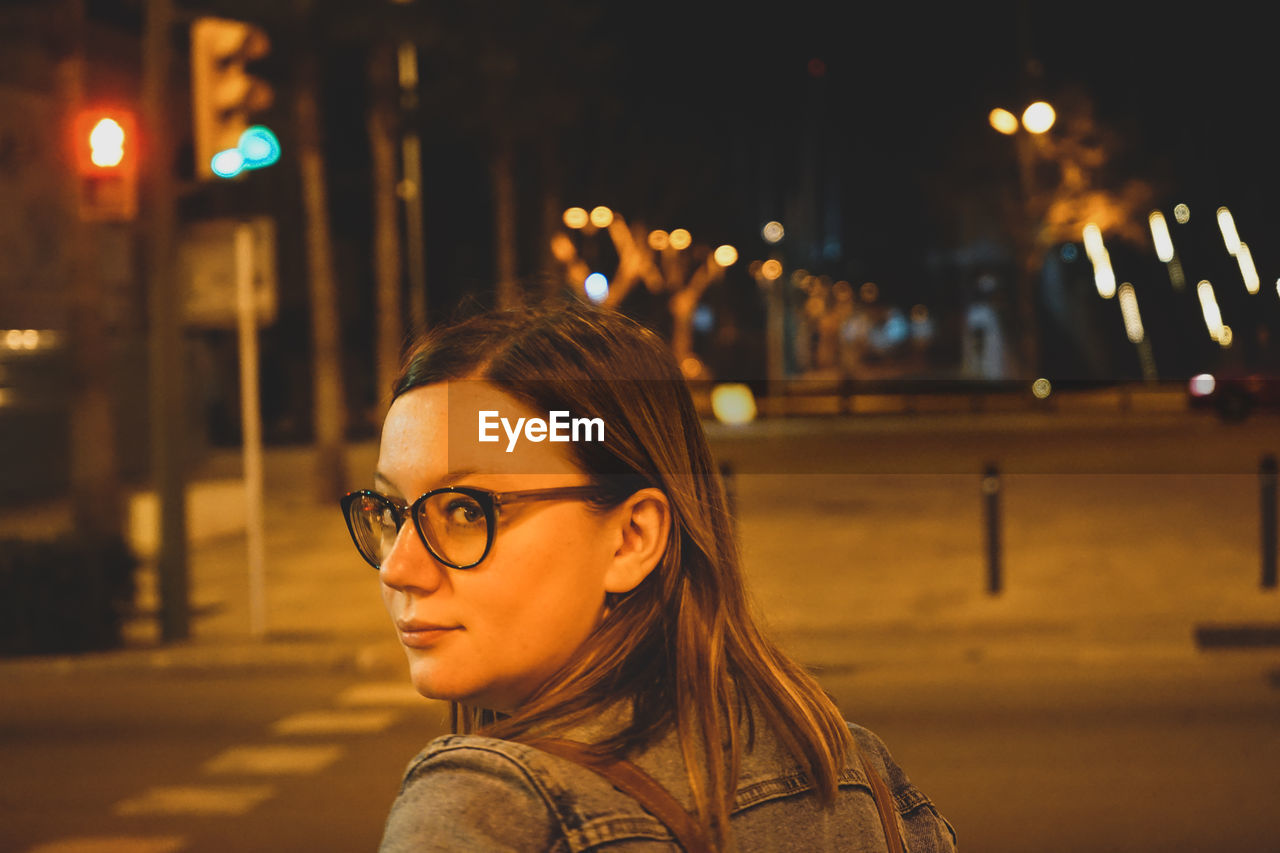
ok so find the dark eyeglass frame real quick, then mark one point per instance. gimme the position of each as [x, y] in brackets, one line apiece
[490, 503]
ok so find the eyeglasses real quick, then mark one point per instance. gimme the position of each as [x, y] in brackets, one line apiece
[456, 524]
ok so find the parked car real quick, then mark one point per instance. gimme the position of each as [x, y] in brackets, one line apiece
[1234, 397]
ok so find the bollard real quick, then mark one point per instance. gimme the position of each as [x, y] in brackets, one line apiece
[1267, 505]
[730, 490]
[991, 493]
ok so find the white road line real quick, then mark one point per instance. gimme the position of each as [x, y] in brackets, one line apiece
[113, 844]
[271, 760]
[335, 722]
[195, 800]
[394, 693]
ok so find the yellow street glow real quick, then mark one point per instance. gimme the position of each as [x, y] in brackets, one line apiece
[1209, 308]
[771, 270]
[1182, 213]
[601, 216]
[772, 232]
[658, 239]
[1003, 121]
[1093, 242]
[680, 239]
[575, 217]
[1129, 310]
[1038, 117]
[725, 255]
[1104, 278]
[1160, 236]
[1247, 270]
[1227, 225]
[733, 403]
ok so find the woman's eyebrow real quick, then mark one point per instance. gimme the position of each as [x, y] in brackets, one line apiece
[449, 479]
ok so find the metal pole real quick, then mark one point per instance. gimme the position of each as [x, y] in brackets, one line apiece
[1267, 504]
[411, 188]
[251, 429]
[168, 434]
[991, 494]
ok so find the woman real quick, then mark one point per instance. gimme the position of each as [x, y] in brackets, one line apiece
[568, 586]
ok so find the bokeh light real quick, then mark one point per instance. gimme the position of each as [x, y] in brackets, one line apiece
[869, 292]
[1038, 117]
[725, 255]
[1182, 214]
[680, 239]
[1160, 236]
[1209, 308]
[576, 217]
[1003, 121]
[659, 239]
[1248, 271]
[772, 232]
[601, 216]
[771, 270]
[1129, 310]
[597, 287]
[1041, 388]
[1227, 225]
[733, 403]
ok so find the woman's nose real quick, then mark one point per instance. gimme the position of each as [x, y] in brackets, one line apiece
[409, 565]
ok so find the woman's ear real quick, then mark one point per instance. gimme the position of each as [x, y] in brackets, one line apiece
[644, 522]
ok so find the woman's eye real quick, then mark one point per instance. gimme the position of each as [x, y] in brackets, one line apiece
[464, 512]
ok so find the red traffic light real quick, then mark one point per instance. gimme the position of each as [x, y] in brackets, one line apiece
[106, 142]
[106, 156]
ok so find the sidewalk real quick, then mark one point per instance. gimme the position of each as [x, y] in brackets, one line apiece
[849, 570]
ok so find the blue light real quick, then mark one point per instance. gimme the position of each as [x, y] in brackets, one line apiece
[703, 319]
[597, 287]
[259, 147]
[227, 164]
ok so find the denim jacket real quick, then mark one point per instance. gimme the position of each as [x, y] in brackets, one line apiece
[470, 793]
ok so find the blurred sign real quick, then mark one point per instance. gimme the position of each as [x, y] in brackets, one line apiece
[207, 272]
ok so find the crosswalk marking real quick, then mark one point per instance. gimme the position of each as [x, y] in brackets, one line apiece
[195, 800]
[334, 722]
[384, 693]
[270, 760]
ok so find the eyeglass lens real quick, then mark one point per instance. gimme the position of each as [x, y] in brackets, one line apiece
[455, 526]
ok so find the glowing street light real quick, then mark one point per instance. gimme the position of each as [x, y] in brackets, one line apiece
[680, 239]
[1129, 310]
[1160, 236]
[1227, 225]
[1209, 308]
[772, 232]
[1038, 117]
[771, 270]
[1247, 270]
[601, 216]
[1003, 121]
[725, 255]
[659, 239]
[575, 218]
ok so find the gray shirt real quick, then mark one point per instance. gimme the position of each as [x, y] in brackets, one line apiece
[470, 793]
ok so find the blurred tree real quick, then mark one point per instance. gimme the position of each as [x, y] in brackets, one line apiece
[518, 75]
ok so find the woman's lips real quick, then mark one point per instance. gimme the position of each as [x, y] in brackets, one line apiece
[420, 635]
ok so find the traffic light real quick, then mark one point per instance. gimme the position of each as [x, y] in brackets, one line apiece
[224, 94]
[106, 155]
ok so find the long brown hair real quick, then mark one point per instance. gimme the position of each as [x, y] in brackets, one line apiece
[682, 646]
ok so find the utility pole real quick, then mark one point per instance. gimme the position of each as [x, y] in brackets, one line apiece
[166, 357]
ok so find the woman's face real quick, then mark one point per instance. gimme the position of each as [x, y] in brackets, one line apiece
[492, 634]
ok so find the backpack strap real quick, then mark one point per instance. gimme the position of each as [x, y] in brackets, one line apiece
[631, 780]
[884, 805]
